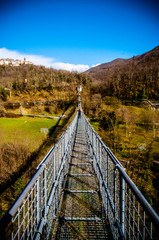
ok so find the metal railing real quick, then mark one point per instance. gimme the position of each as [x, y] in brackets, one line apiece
[129, 214]
[35, 211]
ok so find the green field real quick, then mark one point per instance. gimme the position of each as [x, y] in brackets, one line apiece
[24, 130]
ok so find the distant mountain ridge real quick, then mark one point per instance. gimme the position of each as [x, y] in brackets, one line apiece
[133, 78]
[121, 62]
[107, 65]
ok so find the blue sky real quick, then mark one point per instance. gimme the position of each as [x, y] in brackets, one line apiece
[77, 34]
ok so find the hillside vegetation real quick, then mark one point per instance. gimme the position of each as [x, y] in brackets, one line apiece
[30, 83]
[133, 78]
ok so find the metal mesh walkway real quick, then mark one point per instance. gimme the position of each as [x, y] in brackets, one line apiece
[81, 215]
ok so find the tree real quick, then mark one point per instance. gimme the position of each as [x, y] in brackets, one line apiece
[3, 94]
[147, 118]
[107, 120]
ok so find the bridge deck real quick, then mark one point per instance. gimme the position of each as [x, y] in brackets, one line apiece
[81, 215]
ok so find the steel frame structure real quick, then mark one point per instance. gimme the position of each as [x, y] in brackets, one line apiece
[34, 213]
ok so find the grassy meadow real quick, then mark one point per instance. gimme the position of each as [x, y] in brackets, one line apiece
[24, 130]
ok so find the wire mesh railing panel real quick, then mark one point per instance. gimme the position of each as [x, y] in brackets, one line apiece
[137, 224]
[25, 220]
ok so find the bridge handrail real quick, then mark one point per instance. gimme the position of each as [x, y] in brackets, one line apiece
[146, 100]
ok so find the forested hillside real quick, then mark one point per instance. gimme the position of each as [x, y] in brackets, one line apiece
[133, 78]
[30, 82]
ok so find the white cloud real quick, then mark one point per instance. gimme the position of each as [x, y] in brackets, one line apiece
[96, 65]
[41, 60]
[70, 67]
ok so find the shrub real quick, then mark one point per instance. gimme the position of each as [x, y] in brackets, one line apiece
[12, 156]
[3, 94]
[107, 120]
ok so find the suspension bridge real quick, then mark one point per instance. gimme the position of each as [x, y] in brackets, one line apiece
[80, 191]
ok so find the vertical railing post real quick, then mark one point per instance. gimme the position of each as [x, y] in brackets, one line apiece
[23, 218]
[18, 223]
[12, 235]
[64, 145]
[45, 196]
[144, 226]
[54, 166]
[115, 195]
[91, 138]
[69, 138]
[122, 203]
[100, 154]
[95, 152]
[62, 149]
[31, 222]
[138, 221]
[100, 160]
[85, 126]
[129, 211]
[28, 216]
[133, 228]
[60, 152]
[107, 183]
[38, 200]
[96, 149]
